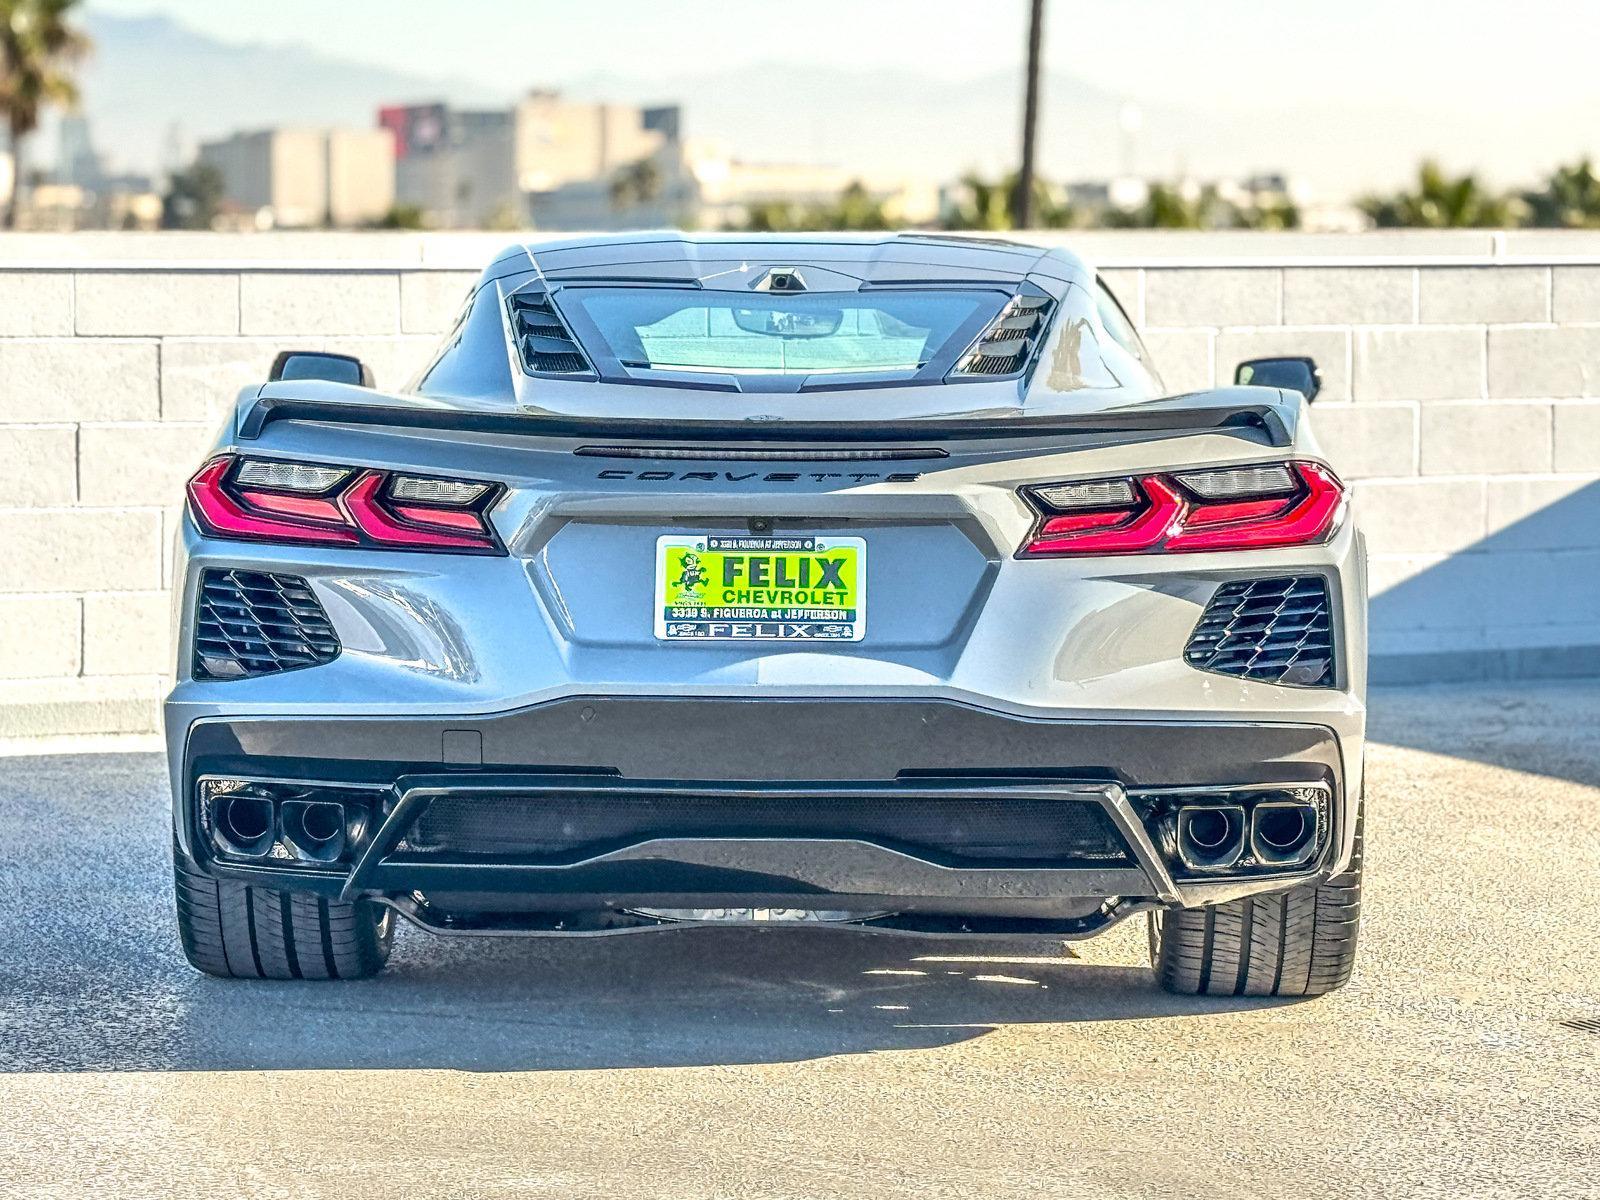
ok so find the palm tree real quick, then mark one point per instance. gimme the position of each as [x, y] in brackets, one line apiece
[637, 183]
[855, 209]
[193, 197]
[993, 206]
[986, 205]
[1270, 214]
[1570, 199]
[1023, 196]
[1440, 202]
[1174, 206]
[38, 48]
[770, 216]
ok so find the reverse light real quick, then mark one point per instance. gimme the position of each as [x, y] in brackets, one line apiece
[309, 504]
[1100, 493]
[436, 491]
[1274, 480]
[1230, 508]
[288, 477]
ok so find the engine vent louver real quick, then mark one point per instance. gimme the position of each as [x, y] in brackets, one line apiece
[543, 340]
[1009, 342]
[1270, 630]
[252, 623]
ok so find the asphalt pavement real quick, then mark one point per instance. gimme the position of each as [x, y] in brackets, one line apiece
[1462, 1061]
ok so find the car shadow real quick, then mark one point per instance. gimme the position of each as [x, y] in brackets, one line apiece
[92, 978]
[672, 998]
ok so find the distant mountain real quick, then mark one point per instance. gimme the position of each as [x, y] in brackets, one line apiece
[1340, 141]
[892, 121]
[149, 73]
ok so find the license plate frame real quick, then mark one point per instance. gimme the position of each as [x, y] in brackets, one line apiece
[714, 618]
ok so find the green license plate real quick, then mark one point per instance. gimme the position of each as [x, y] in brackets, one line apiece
[731, 588]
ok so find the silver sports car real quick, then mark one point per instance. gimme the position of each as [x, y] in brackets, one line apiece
[868, 580]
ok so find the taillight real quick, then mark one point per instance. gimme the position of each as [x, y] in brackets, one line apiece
[1228, 508]
[301, 503]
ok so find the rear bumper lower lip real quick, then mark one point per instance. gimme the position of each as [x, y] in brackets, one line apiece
[785, 871]
[804, 748]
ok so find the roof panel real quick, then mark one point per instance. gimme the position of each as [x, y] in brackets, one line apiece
[876, 256]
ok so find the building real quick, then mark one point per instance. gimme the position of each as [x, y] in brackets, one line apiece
[725, 189]
[360, 175]
[77, 161]
[539, 162]
[299, 178]
[1124, 193]
[557, 164]
[457, 167]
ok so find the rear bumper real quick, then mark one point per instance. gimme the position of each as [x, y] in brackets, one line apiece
[821, 755]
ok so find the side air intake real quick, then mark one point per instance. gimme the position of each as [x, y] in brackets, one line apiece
[1009, 343]
[546, 345]
[1271, 630]
[252, 623]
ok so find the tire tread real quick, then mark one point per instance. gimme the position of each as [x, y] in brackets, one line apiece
[239, 931]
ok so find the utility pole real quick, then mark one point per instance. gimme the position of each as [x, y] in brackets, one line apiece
[1022, 201]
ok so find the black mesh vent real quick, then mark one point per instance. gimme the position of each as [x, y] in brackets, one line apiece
[1273, 630]
[562, 827]
[1008, 343]
[542, 337]
[253, 623]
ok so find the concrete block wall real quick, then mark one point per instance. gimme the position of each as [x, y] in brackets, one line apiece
[113, 379]
[1462, 401]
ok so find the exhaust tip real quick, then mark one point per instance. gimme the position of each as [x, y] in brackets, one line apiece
[242, 824]
[1210, 836]
[314, 830]
[1283, 832]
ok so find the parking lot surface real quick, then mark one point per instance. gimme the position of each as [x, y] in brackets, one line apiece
[1463, 1060]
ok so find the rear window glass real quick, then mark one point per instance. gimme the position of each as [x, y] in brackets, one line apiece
[759, 333]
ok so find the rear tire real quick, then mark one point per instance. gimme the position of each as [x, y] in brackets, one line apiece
[1295, 943]
[236, 931]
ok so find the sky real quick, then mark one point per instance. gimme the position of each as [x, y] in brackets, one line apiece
[1237, 49]
[1347, 94]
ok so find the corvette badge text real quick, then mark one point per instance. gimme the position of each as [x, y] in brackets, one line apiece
[759, 476]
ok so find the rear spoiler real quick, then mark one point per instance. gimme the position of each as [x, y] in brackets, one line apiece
[1201, 413]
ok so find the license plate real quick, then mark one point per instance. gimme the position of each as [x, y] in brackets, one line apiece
[728, 588]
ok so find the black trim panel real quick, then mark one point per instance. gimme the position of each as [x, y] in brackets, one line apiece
[1188, 417]
[753, 740]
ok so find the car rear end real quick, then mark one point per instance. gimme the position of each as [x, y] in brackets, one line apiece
[988, 677]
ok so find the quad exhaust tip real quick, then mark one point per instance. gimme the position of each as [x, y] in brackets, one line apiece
[1283, 833]
[1248, 830]
[244, 824]
[248, 824]
[1210, 836]
[312, 830]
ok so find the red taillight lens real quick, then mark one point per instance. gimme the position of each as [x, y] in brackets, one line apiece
[363, 500]
[1290, 504]
[224, 513]
[255, 501]
[1306, 516]
[1116, 531]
